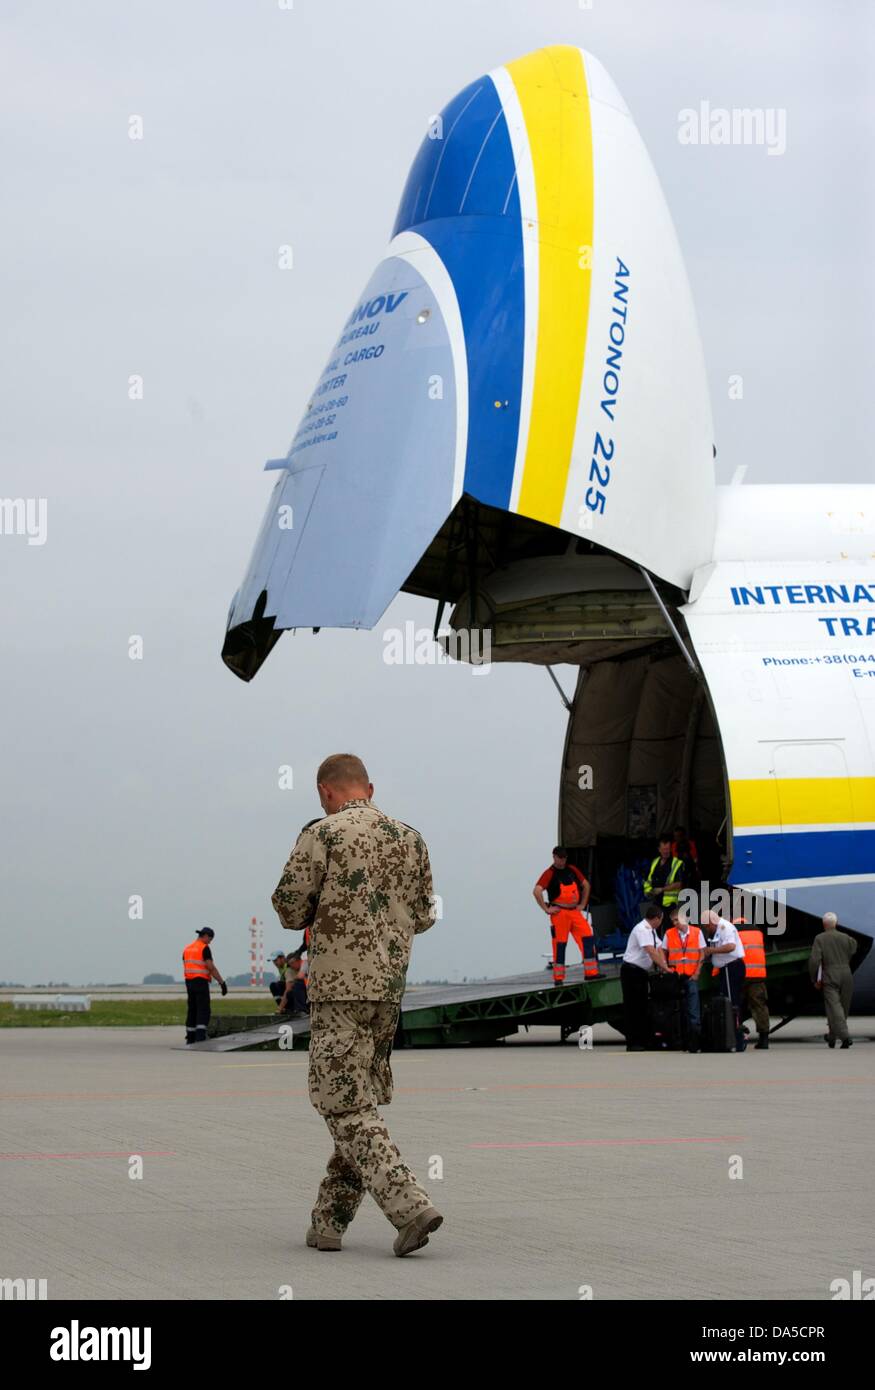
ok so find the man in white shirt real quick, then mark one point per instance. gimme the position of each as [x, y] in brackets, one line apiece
[726, 951]
[642, 955]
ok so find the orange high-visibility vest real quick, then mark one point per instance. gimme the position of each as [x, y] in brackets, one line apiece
[571, 894]
[194, 967]
[754, 954]
[683, 958]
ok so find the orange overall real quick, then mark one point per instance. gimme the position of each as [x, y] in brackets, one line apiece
[570, 921]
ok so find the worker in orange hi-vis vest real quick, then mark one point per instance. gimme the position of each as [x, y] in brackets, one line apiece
[684, 948]
[567, 896]
[756, 999]
[198, 969]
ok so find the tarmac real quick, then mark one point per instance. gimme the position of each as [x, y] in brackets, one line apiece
[562, 1172]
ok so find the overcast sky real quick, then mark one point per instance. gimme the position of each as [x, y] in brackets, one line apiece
[265, 126]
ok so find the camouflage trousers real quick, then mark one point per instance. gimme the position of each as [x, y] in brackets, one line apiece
[349, 1076]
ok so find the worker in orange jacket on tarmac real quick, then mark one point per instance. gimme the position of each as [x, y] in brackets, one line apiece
[567, 896]
[198, 969]
[755, 996]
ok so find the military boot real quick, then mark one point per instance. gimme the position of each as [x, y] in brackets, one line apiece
[763, 1042]
[415, 1234]
[317, 1242]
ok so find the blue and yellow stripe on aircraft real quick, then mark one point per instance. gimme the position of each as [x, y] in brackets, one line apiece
[799, 829]
[463, 197]
[554, 100]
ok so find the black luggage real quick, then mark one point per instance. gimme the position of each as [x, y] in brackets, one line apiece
[719, 1031]
[666, 1012]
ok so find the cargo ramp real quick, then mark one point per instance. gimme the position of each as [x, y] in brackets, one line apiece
[488, 1011]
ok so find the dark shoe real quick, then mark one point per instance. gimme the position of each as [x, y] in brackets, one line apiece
[317, 1242]
[633, 1047]
[830, 1042]
[763, 1043]
[847, 1042]
[415, 1234]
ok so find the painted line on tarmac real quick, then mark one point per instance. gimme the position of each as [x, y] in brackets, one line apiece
[146, 1095]
[598, 1143]
[498, 1088]
[240, 1065]
[102, 1153]
[684, 1085]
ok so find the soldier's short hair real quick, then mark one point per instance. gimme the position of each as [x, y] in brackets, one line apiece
[343, 770]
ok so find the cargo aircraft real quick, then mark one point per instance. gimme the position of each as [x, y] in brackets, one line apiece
[514, 421]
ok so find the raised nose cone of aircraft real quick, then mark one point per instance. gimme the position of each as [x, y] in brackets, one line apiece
[526, 350]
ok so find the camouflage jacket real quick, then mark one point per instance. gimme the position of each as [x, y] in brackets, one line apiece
[362, 882]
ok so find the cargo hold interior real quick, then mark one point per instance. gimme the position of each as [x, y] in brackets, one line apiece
[642, 750]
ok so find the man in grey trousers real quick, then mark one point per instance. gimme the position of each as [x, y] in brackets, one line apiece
[831, 955]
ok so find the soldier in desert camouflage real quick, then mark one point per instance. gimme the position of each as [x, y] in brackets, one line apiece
[362, 882]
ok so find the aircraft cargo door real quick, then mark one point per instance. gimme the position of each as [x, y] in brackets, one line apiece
[815, 806]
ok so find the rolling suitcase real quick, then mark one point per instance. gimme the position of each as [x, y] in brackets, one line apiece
[719, 1032]
[666, 1012]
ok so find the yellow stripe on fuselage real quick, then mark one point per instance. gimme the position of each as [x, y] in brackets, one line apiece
[802, 801]
[557, 118]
